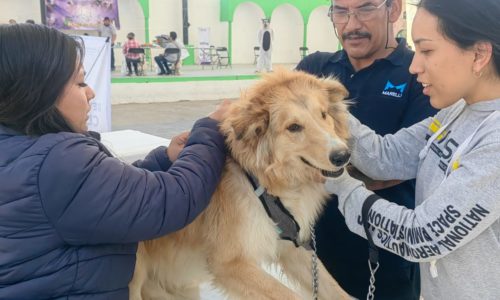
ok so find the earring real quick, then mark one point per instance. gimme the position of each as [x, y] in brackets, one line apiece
[477, 74]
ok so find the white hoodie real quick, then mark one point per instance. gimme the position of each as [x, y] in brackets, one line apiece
[455, 227]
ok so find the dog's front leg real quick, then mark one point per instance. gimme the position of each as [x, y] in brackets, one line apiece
[243, 279]
[140, 274]
[297, 265]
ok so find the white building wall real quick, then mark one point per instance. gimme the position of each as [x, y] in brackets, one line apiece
[166, 16]
[205, 13]
[19, 10]
[247, 22]
[320, 33]
[288, 27]
[411, 10]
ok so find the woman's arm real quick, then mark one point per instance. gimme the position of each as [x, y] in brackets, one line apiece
[91, 198]
[393, 156]
[456, 212]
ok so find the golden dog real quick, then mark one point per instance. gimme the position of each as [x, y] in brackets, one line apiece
[284, 131]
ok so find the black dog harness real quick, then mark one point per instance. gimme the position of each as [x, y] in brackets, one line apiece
[286, 225]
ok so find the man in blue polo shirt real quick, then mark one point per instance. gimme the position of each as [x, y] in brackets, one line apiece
[374, 68]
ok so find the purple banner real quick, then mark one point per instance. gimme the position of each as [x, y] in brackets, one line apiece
[80, 14]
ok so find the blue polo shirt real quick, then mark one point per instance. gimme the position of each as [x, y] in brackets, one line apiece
[386, 98]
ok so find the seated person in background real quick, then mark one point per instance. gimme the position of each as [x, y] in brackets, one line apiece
[160, 60]
[131, 58]
[174, 59]
[164, 59]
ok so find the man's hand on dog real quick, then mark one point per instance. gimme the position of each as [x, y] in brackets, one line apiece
[371, 184]
[176, 145]
[354, 173]
[342, 184]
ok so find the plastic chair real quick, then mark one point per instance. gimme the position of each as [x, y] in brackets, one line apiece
[304, 51]
[172, 63]
[256, 52]
[141, 52]
[222, 57]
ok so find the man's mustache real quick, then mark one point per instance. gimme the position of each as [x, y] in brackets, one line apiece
[356, 35]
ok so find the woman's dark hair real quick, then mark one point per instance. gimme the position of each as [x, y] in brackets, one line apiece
[36, 62]
[467, 22]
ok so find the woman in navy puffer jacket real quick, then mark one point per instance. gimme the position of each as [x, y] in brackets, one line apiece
[70, 214]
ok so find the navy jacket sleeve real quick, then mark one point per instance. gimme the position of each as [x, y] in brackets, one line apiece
[156, 160]
[91, 198]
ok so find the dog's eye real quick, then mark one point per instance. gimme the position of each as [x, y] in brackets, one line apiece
[323, 115]
[295, 127]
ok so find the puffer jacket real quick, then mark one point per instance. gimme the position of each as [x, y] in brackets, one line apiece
[71, 215]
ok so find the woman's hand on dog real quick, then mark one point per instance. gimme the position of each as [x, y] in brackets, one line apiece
[221, 110]
[179, 141]
[176, 145]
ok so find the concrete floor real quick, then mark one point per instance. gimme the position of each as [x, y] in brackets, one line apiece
[165, 118]
[161, 119]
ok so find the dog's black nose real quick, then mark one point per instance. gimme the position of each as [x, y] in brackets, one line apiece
[339, 158]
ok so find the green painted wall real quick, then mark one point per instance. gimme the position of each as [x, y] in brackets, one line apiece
[227, 8]
[145, 10]
[305, 7]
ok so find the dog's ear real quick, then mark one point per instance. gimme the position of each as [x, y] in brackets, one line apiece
[338, 106]
[248, 119]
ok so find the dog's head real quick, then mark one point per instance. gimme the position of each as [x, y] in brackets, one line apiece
[289, 127]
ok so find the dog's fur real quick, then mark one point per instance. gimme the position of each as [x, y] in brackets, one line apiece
[285, 118]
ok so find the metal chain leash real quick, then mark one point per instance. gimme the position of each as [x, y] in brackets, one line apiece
[371, 288]
[314, 265]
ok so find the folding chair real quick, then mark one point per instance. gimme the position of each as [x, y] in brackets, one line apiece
[256, 53]
[304, 51]
[140, 65]
[222, 57]
[172, 63]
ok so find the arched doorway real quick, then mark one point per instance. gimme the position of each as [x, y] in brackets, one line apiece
[320, 33]
[246, 24]
[288, 27]
[132, 18]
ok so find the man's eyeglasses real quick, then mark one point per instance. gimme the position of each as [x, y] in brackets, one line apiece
[363, 14]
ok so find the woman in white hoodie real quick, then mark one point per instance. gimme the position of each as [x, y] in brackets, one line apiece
[454, 231]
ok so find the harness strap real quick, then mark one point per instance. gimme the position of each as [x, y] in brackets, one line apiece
[287, 226]
[373, 250]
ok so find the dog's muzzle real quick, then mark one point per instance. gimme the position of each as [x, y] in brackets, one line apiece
[337, 158]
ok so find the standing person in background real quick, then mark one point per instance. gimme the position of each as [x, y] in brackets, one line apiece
[131, 58]
[12, 22]
[265, 38]
[108, 30]
[71, 214]
[454, 230]
[373, 66]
